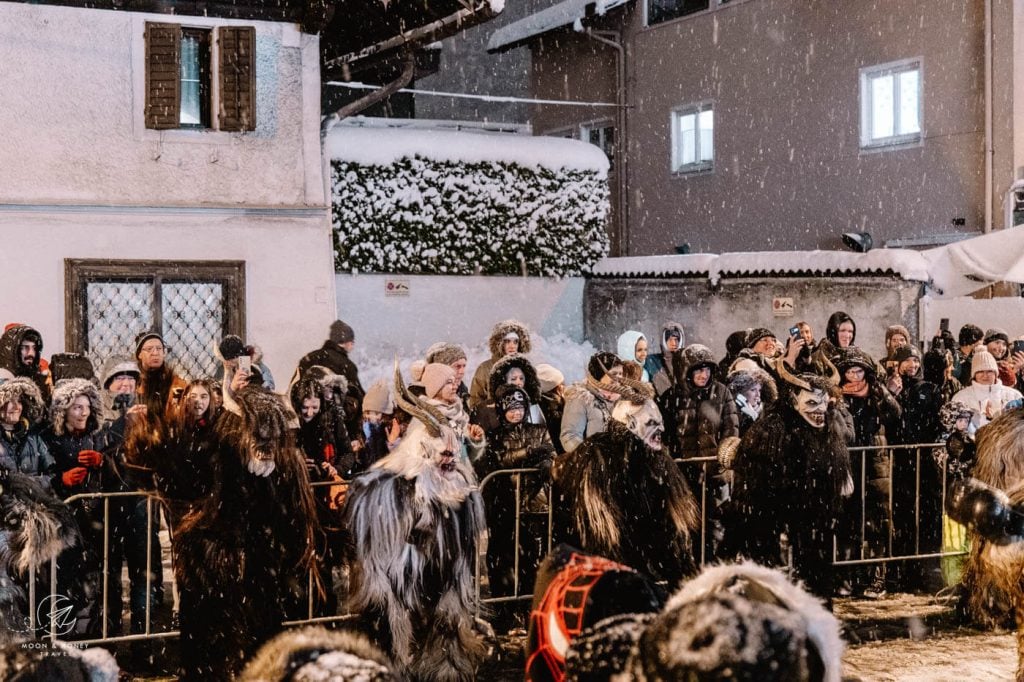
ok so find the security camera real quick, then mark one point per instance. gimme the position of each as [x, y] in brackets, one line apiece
[860, 242]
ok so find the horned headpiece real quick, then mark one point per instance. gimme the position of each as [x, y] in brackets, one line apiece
[420, 409]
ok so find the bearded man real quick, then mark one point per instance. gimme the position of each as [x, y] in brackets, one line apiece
[791, 471]
[625, 498]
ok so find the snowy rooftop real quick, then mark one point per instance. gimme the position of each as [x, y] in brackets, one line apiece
[910, 265]
[380, 147]
[562, 14]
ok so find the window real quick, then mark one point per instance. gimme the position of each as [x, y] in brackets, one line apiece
[693, 147]
[890, 104]
[181, 65]
[601, 135]
[659, 11]
[192, 304]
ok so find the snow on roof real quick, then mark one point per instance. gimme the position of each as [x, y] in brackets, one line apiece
[910, 265]
[562, 14]
[381, 147]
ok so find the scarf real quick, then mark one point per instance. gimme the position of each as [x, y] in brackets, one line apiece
[856, 388]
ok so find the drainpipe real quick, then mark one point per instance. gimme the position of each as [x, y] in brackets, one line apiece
[614, 41]
[989, 152]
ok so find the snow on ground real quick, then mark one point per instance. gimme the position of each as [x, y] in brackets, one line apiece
[559, 350]
[948, 657]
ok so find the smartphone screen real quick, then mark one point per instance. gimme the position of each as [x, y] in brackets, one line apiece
[245, 362]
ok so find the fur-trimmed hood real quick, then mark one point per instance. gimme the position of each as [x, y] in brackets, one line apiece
[516, 360]
[318, 653]
[10, 343]
[24, 391]
[503, 328]
[118, 364]
[65, 393]
[740, 380]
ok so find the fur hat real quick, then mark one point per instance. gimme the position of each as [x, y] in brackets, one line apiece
[26, 392]
[65, 393]
[756, 334]
[548, 377]
[340, 333]
[953, 411]
[893, 330]
[378, 398]
[983, 361]
[435, 376]
[117, 364]
[316, 653]
[445, 353]
[601, 362]
[746, 376]
[141, 339]
[996, 334]
[970, 334]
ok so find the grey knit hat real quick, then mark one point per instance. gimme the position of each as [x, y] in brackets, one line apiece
[341, 333]
[445, 353]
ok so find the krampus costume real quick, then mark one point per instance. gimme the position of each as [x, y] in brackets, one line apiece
[414, 521]
[596, 620]
[620, 494]
[791, 471]
[316, 653]
[244, 549]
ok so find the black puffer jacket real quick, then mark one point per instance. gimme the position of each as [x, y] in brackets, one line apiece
[698, 418]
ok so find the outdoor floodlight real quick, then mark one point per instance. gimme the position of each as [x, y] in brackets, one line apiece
[860, 242]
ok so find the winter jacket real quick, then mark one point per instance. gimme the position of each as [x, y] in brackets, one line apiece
[479, 389]
[485, 415]
[23, 450]
[553, 406]
[740, 381]
[626, 347]
[65, 445]
[661, 367]
[918, 422]
[978, 397]
[10, 357]
[586, 413]
[698, 419]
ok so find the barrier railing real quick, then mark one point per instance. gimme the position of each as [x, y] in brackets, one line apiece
[517, 476]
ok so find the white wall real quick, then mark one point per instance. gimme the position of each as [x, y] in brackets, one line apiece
[1006, 313]
[73, 96]
[289, 271]
[456, 309]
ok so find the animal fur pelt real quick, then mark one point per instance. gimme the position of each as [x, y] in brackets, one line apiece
[993, 577]
[629, 503]
[36, 528]
[245, 548]
[59, 661]
[414, 521]
[316, 653]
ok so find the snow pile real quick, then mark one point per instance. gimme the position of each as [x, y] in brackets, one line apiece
[559, 351]
[470, 210]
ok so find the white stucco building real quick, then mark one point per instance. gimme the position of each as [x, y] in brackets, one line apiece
[162, 171]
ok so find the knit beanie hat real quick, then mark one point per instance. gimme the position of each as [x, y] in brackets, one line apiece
[510, 397]
[970, 334]
[983, 361]
[996, 334]
[341, 333]
[758, 333]
[736, 341]
[895, 329]
[141, 339]
[549, 377]
[445, 353]
[378, 398]
[435, 376]
[416, 371]
[905, 353]
[601, 362]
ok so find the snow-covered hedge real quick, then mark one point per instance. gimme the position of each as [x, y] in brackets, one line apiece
[438, 216]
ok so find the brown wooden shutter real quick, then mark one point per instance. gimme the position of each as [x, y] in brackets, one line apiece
[163, 75]
[237, 65]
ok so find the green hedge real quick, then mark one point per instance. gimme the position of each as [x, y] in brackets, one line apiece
[440, 217]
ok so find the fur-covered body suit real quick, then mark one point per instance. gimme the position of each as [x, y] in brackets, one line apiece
[414, 521]
[789, 479]
[994, 572]
[627, 502]
[243, 549]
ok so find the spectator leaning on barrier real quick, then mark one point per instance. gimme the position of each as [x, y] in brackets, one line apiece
[588, 404]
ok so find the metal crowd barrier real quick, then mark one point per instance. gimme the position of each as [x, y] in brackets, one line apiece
[481, 560]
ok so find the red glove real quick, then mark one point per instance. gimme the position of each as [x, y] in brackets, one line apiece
[90, 458]
[73, 477]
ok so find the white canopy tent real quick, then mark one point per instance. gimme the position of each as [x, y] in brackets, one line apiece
[963, 267]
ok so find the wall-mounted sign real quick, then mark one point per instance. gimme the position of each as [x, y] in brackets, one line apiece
[396, 287]
[782, 307]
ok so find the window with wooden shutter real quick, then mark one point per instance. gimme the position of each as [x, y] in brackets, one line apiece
[163, 79]
[237, 67]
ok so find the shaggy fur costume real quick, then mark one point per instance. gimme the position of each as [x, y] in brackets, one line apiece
[315, 653]
[628, 502]
[243, 551]
[414, 521]
[994, 573]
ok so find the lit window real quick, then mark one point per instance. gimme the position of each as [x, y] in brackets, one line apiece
[890, 104]
[693, 147]
[195, 78]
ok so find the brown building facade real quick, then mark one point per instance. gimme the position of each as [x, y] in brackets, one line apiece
[756, 125]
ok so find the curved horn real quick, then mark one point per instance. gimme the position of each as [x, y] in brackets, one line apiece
[615, 386]
[785, 375]
[413, 407]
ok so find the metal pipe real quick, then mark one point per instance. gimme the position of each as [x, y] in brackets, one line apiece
[353, 108]
[989, 151]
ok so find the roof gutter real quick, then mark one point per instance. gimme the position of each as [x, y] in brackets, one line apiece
[367, 101]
